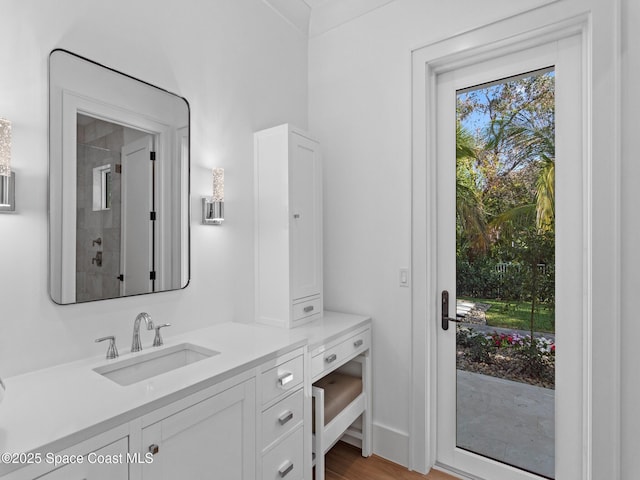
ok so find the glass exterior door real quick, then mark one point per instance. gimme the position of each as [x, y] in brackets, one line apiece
[508, 271]
[505, 271]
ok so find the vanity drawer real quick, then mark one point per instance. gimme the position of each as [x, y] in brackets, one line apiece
[285, 460]
[311, 306]
[282, 417]
[281, 379]
[340, 353]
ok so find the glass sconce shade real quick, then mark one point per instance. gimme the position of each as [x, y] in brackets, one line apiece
[5, 147]
[7, 177]
[218, 184]
[213, 207]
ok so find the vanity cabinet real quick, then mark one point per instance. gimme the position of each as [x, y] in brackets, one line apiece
[251, 422]
[338, 352]
[96, 466]
[213, 437]
[340, 368]
[288, 193]
[285, 450]
[101, 457]
[245, 414]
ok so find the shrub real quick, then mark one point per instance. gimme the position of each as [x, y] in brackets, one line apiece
[478, 345]
[533, 357]
[480, 279]
[477, 279]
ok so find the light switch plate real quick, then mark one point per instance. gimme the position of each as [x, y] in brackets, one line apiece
[404, 277]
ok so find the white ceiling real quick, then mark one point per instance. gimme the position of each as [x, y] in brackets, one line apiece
[315, 3]
[314, 17]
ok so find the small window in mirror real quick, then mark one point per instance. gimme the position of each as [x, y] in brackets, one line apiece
[102, 188]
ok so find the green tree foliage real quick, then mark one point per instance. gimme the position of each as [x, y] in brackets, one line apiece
[506, 185]
[515, 147]
[470, 214]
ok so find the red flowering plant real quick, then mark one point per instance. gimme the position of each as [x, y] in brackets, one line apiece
[514, 340]
[531, 357]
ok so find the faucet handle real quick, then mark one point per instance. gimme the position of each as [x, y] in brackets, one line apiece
[112, 351]
[157, 341]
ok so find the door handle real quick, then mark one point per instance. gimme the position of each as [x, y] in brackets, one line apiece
[445, 311]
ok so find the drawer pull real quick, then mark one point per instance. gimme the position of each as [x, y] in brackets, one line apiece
[285, 417]
[358, 343]
[285, 469]
[285, 378]
[153, 449]
[331, 358]
[308, 309]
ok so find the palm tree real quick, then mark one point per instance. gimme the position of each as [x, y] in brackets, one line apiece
[470, 214]
[545, 195]
[526, 134]
[528, 141]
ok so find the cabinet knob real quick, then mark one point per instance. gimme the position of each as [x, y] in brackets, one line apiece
[308, 309]
[153, 448]
[358, 343]
[285, 469]
[331, 358]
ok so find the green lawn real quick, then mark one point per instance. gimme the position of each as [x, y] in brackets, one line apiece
[514, 315]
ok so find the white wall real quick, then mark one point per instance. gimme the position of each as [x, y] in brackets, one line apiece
[630, 333]
[242, 68]
[360, 109]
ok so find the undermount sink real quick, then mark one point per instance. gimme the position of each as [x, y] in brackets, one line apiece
[147, 365]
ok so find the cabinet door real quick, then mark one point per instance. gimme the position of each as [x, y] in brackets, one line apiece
[211, 439]
[305, 187]
[107, 463]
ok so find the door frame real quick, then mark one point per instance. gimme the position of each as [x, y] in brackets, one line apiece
[508, 36]
[565, 56]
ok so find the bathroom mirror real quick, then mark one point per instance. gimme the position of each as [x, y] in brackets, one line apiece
[118, 183]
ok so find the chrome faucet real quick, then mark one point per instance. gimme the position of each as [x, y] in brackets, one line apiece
[136, 346]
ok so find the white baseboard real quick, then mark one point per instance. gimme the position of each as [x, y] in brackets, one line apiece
[391, 444]
[354, 440]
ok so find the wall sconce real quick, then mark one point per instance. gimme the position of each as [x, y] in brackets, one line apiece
[7, 177]
[213, 207]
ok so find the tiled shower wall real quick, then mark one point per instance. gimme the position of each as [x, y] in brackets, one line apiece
[99, 143]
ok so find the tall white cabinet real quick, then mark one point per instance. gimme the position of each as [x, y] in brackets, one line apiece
[288, 183]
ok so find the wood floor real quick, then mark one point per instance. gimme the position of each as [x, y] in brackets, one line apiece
[344, 462]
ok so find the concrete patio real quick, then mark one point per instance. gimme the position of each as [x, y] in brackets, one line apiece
[508, 421]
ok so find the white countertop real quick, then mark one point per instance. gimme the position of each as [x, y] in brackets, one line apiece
[54, 408]
[329, 327]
